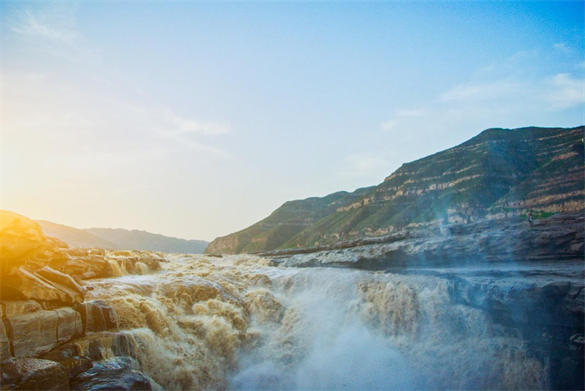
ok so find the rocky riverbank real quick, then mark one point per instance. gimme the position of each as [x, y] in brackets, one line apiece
[51, 338]
[559, 237]
[480, 305]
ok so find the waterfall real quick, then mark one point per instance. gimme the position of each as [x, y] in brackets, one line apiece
[238, 323]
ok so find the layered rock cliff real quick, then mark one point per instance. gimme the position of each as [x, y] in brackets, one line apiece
[499, 173]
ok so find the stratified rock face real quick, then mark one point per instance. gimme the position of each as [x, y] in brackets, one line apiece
[283, 224]
[30, 330]
[500, 172]
[560, 237]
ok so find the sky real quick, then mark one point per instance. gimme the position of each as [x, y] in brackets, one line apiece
[198, 119]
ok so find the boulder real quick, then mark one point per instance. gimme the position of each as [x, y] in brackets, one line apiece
[40, 331]
[114, 375]
[33, 286]
[62, 279]
[71, 357]
[34, 374]
[85, 267]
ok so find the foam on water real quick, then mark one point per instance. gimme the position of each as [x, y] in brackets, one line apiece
[237, 323]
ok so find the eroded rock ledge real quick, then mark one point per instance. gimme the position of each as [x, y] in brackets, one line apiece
[559, 237]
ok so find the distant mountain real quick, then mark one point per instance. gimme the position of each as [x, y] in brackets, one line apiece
[121, 239]
[142, 240]
[498, 172]
[75, 237]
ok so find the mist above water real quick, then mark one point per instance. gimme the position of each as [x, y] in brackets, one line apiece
[320, 344]
[236, 323]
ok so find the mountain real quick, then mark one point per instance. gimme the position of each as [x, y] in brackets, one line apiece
[75, 237]
[121, 239]
[495, 174]
[284, 223]
[142, 240]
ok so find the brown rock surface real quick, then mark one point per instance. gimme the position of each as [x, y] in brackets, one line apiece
[34, 374]
[34, 286]
[97, 316]
[40, 331]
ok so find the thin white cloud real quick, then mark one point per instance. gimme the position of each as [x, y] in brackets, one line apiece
[482, 91]
[30, 27]
[563, 47]
[388, 125]
[412, 112]
[50, 30]
[506, 95]
[194, 126]
[95, 106]
[565, 91]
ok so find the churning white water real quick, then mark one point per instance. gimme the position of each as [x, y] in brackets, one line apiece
[237, 323]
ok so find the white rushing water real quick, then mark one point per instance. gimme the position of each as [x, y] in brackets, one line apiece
[237, 323]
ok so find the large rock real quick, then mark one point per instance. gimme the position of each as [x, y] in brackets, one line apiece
[115, 375]
[33, 374]
[34, 286]
[71, 357]
[62, 279]
[40, 331]
[84, 265]
[79, 355]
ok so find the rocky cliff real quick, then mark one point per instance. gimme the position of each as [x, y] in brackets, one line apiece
[508, 241]
[497, 174]
[50, 336]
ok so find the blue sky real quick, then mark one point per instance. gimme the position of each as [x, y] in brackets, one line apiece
[196, 119]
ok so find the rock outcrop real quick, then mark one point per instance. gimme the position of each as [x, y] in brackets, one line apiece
[49, 336]
[561, 236]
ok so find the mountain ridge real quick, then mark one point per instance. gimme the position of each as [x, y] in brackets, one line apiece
[496, 173]
[121, 239]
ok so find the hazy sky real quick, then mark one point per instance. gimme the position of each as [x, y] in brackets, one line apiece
[198, 119]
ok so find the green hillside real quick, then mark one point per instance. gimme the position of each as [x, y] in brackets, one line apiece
[498, 172]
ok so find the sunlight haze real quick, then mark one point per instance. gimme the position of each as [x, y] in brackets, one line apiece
[196, 120]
